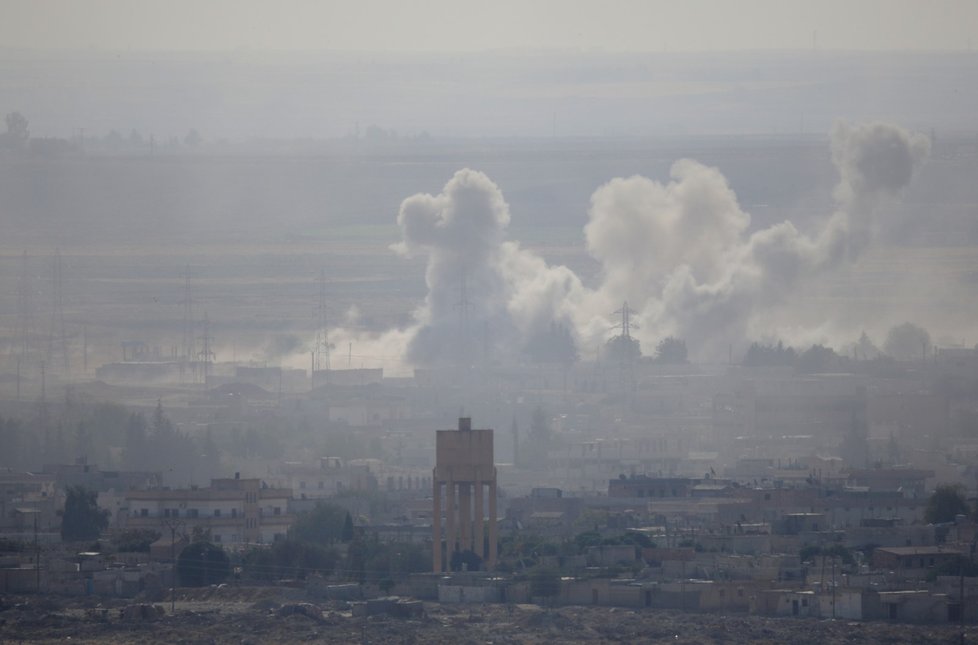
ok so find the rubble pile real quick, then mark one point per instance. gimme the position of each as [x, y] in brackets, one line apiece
[396, 620]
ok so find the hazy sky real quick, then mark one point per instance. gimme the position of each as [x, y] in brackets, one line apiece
[463, 25]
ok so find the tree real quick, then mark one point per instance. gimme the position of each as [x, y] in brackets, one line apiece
[671, 350]
[811, 552]
[290, 559]
[193, 138]
[554, 345]
[817, 359]
[544, 582]
[82, 518]
[623, 349]
[865, 349]
[945, 504]
[135, 540]
[324, 524]
[136, 454]
[17, 135]
[202, 564]
[533, 451]
[907, 342]
[762, 355]
[467, 560]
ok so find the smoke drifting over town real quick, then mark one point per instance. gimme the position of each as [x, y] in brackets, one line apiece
[679, 253]
[346, 337]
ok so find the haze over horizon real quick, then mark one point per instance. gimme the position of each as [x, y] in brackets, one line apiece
[196, 119]
[447, 26]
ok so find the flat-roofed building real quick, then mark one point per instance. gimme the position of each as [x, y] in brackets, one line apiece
[236, 511]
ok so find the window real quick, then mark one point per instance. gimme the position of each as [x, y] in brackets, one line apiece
[277, 511]
[217, 537]
[193, 512]
[302, 485]
[144, 512]
[804, 602]
[234, 512]
[217, 512]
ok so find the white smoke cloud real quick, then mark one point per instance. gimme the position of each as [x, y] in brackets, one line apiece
[678, 252]
[485, 293]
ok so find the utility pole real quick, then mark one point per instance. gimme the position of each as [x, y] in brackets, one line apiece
[37, 556]
[173, 525]
[187, 348]
[58, 338]
[206, 356]
[833, 586]
[25, 310]
[463, 306]
[320, 358]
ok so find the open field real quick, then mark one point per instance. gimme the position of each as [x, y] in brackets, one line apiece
[254, 232]
[239, 616]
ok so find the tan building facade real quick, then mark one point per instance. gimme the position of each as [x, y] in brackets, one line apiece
[235, 511]
[465, 477]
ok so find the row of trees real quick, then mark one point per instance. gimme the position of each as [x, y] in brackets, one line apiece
[110, 436]
[17, 137]
[312, 547]
[903, 342]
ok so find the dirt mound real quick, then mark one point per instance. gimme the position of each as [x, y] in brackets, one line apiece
[270, 618]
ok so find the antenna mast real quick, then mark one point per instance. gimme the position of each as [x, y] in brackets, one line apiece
[626, 325]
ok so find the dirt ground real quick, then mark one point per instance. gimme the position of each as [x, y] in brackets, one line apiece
[260, 616]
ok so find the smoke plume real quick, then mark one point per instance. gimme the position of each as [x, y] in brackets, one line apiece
[681, 254]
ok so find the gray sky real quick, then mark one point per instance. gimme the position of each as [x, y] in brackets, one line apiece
[462, 25]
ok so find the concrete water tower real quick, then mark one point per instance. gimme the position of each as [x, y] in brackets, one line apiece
[465, 468]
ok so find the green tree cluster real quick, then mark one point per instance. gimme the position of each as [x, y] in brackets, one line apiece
[945, 504]
[671, 351]
[289, 559]
[201, 564]
[554, 345]
[769, 355]
[134, 540]
[544, 582]
[325, 524]
[82, 518]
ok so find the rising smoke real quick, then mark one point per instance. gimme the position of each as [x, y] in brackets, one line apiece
[680, 253]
